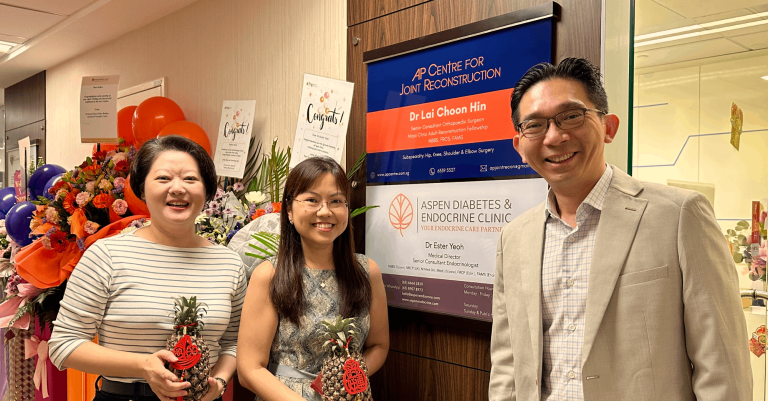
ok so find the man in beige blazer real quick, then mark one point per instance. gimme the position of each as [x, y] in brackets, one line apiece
[612, 289]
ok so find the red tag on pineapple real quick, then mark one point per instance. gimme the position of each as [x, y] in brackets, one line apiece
[187, 353]
[354, 377]
[317, 384]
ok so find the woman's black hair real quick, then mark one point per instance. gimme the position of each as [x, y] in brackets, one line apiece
[154, 147]
[287, 286]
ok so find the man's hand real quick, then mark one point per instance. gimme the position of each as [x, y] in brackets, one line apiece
[214, 390]
[163, 383]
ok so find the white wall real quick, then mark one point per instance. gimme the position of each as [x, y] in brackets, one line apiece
[210, 51]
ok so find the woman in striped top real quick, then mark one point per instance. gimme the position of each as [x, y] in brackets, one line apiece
[123, 287]
[316, 276]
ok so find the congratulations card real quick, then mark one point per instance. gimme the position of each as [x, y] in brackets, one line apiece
[323, 118]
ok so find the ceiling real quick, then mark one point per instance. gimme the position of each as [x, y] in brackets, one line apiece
[669, 32]
[38, 34]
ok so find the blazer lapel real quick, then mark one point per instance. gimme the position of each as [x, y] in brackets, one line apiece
[619, 220]
[530, 273]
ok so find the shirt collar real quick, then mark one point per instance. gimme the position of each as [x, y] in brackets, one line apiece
[595, 198]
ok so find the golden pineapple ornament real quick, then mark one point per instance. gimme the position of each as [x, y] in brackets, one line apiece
[188, 345]
[344, 375]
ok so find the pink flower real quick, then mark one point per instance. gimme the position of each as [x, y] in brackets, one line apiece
[46, 243]
[83, 198]
[61, 194]
[120, 206]
[118, 157]
[90, 186]
[91, 227]
[52, 215]
[762, 216]
[119, 182]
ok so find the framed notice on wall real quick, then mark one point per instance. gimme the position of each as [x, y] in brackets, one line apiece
[441, 163]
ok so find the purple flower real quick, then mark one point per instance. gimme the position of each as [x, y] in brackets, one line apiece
[238, 186]
[269, 209]
[51, 232]
[209, 212]
[213, 205]
[81, 243]
[227, 211]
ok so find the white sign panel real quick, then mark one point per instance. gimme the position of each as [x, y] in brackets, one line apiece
[436, 243]
[98, 109]
[323, 117]
[235, 131]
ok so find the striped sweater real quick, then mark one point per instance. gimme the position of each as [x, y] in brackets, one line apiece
[123, 288]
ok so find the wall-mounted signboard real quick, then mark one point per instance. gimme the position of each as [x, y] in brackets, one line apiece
[441, 162]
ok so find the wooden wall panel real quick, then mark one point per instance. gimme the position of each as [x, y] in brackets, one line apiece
[359, 11]
[436, 357]
[25, 102]
[406, 377]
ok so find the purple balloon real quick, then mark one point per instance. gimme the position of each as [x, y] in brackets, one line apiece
[7, 199]
[48, 185]
[40, 177]
[17, 222]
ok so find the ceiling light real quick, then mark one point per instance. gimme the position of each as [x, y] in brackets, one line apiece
[701, 33]
[5, 47]
[765, 77]
[701, 26]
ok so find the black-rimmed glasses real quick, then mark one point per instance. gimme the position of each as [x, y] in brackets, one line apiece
[569, 119]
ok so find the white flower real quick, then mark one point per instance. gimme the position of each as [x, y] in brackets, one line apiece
[255, 197]
[201, 218]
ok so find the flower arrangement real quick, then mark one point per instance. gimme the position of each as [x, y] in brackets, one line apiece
[754, 256]
[84, 200]
[5, 241]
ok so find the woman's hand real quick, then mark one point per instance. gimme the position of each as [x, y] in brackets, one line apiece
[163, 383]
[214, 390]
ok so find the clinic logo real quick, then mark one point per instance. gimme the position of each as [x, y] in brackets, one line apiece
[419, 73]
[400, 213]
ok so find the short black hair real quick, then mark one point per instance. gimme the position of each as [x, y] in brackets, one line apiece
[574, 69]
[154, 147]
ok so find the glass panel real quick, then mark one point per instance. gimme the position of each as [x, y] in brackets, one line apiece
[693, 60]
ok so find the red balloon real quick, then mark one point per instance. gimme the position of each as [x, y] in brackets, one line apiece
[189, 130]
[125, 124]
[152, 115]
[135, 205]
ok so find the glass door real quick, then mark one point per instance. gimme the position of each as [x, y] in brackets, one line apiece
[700, 121]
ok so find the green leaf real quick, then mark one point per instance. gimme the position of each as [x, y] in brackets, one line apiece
[271, 241]
[361, 210]
[743, 223]
[737, 257]
[731, 233]
[358, 164]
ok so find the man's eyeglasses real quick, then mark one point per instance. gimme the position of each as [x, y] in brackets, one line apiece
[569, 119]
[313, 205]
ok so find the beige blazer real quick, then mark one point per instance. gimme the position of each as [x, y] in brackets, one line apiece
[664, 319]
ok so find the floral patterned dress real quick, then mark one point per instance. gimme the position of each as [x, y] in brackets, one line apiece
[298, 347]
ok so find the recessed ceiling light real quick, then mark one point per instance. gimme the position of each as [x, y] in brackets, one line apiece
[5, 47]
[765, 77]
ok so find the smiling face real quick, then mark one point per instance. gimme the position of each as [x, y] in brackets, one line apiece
[174, 191]
[318, 229]
[570, 160]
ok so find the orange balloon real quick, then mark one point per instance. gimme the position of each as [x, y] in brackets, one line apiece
[188, 130]
[105, 147]
[135, 205]
[125, 124]
[152, 115]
